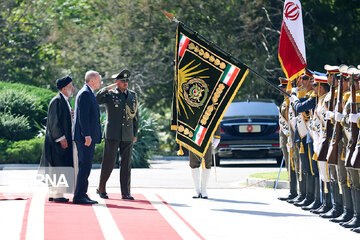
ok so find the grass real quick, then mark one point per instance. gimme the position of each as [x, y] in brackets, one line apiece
[271, 175]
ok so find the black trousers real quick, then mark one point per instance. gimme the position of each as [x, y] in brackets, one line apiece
[110, 152]
[85, 157]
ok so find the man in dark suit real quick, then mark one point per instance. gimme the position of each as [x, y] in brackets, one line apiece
[58, 150]
[87, 133]
[120, 131]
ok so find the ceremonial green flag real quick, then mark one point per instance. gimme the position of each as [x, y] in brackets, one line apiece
[206, 81]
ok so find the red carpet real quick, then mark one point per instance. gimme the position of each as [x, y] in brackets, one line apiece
[139, 219]
[135, 220]
[70, 221]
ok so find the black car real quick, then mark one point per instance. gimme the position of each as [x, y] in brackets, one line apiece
[250, 129]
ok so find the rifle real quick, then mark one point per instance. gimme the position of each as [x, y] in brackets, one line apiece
[329, 126]
[332, 155]
[353, 126]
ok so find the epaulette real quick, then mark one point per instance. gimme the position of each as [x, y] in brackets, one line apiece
[313, 94]
[309, 93]
[346, 96]
[301, 93]
[357, 97]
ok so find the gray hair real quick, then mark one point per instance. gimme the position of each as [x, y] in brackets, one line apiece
[90, 74]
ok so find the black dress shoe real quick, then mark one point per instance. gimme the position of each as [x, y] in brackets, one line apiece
[51, 199]
[84, 201]
[353, 223]
[288, 197]
[324, 208]
[345, 217]
[197, 196]
[61, 200]
[333, 213]
[102, 195]
[303, 203]
[357, 230]
[204, 197]
[127, 197]
[314, 205]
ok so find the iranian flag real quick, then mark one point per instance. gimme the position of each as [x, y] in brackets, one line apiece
[292, 44]
[229, 74]
[183, 43]
[199, 134]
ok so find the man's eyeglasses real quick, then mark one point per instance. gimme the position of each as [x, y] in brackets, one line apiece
[124, 80]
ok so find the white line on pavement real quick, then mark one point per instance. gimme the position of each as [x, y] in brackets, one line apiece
[180, 227]
[106, 220]
[35, 224]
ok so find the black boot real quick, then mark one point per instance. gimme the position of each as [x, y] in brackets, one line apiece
[310, 189]
[302, 189]
[337, 208]
[355, 221]
[348, 206]
[316, 203]
[293, 189]
[327, 205]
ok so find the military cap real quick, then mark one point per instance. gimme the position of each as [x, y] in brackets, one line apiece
[320, 79]
[308, 73]
[283, 82]
[63, 82]
[331, 69]
[124, 74]
[353, 71]
[343, 70]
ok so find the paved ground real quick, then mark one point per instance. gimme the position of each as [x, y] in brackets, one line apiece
[234, 210]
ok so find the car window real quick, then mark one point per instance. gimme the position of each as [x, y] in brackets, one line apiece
[240, 109]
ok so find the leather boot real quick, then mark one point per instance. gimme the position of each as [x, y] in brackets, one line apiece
[205, 174]
[355, 221]
[348, 206]
[337, 208]
[310, 189]
[196, 178]
[293, 188]
[316, 203]
[327, 204]
[302, 189]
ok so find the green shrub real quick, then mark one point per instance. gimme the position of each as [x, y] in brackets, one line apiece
[25, 151]
[98, 154]
[28, 101]
[147, 139]
[3, 146]
[15, 128]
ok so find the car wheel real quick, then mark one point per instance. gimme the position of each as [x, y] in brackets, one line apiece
[217, 160]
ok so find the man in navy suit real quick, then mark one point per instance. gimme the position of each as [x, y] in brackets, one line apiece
[87, 133]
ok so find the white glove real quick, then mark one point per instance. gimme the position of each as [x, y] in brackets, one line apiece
[329, 114]
[293, 98]
[294, 90]
[215, 142]
[339, 116]
[354, 117]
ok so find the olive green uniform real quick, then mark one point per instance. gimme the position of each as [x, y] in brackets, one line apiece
[120, 129]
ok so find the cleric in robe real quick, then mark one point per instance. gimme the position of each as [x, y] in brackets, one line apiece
[58, 149]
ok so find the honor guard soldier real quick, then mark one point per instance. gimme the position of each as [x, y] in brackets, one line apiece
[283, 139]
[305, 106]
[336, 150]
[302, 109]
[348, 209]
[352, 164]
[120, 131]
[318, 127]
[293, 144]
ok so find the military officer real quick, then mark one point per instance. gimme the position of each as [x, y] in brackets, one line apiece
[120, 131]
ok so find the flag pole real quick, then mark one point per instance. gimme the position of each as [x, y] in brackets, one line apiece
[174, 19]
